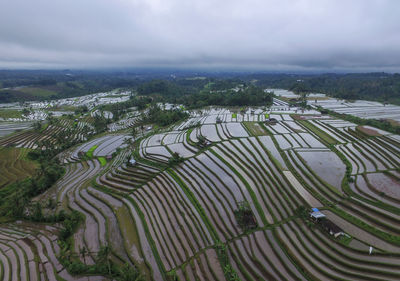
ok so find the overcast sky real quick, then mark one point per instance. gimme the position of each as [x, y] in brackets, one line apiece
[274, 35]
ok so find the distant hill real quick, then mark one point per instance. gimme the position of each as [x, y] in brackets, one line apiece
[382, 87]
[23, 85]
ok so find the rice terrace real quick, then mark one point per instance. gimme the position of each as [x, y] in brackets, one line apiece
[175, 140]
[280, 191]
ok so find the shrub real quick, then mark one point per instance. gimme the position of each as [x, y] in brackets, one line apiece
[175, 159]
[244, 216]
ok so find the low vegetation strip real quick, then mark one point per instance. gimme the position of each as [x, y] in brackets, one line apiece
[102, 161]
[325, 137]
[255, 129]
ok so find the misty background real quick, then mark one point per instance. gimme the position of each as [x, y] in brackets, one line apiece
[274, 35]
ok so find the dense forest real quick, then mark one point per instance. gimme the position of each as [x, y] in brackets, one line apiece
[194, 88]
[230, 92]
[382, 87]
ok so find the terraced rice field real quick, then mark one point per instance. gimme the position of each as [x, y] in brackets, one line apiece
[31, 138]
[179, 222]
[14, 165]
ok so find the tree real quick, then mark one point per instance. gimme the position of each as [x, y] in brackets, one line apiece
[25, 111]
[128, 142]
[244, 216]
[103, 256]
[175, 159]
[129, 273]
[37, 212]
[83, 251]
[37, 126]
[300, 89]
[134, 132]
[100, 123]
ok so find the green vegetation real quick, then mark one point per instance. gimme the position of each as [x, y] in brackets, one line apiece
[102, 161]
[229, 272]
[21, 85]
[10, 113]
[321, 134]
[250, 95]
[380, 86]
[89, 153]
[37, 92]
[41, 85]
[15, 197]
[100, 123]
[345, 240]
[14, 165]
[178, 213]
[175, 159]
[220, 92]
[254, 128]
[244, 216]
[163, 118]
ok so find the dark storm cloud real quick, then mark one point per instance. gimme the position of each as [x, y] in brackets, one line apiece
[350, 35]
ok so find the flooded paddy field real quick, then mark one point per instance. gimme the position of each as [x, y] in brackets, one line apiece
[223, 193]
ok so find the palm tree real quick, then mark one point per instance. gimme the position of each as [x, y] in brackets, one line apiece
[103, 256]
[83, 252]
[134, 132]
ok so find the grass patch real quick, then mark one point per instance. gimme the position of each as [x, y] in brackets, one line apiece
[89, 153]
[234, 115]
[266, 116]
[40, 92]
[10, 113]
[63, 108]
[44, 127]
[321, 134]
[255, 128]
[102, 161]
[345, 240]
[114, 96]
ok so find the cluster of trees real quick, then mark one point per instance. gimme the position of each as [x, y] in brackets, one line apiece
[244, 216]
[175, 159]
[119, 109]
[100, 123]
[104, 264]
[229, 92]
[64, 83]
[162, 117]
[81, 110]
[160, 87]
[15, 197]
[250, 95]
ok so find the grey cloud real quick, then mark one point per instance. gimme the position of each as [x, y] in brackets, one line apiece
[350, 35]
